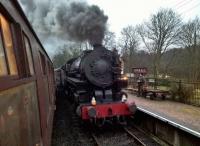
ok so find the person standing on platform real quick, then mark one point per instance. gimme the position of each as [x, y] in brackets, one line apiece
[141, 82]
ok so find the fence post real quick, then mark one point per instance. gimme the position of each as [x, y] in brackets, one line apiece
[180, 90]
[155, 83]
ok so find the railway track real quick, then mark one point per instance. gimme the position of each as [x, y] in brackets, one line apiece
[140, 137]
[125, 136]
[70, 131]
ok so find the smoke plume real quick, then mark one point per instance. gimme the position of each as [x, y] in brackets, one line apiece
[66, 20]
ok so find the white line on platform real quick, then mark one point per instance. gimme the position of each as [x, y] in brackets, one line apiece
[195, 133]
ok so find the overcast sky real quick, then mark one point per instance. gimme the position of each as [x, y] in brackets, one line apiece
[132, 12]
[121, 13]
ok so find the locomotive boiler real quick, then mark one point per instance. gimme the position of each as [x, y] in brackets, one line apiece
[94, 83]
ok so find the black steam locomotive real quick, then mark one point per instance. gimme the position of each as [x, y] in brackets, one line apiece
[94, 83]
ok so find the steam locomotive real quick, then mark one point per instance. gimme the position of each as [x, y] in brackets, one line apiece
[94, 83]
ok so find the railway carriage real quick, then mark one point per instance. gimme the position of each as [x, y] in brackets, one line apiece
[27, 93]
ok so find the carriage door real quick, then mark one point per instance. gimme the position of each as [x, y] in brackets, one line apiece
[44, 92]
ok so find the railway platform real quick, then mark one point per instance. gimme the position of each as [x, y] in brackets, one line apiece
[183, 116]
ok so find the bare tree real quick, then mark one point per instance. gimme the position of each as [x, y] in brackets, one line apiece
[190, 39]
[190, 34]
[109, 40]
[169, 61]
[66, 52]
[85, 45]
[159, 33]
[128, 44]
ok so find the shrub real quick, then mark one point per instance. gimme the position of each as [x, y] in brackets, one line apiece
[174, 90]
[181, 92]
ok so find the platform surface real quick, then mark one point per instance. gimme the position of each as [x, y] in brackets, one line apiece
[183, 114]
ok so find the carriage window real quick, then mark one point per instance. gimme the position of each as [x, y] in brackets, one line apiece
[8, 45]
[3, 67]
[43, 63]
[29, 55]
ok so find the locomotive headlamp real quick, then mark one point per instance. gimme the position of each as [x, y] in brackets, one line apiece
[124, 98]
[93, 101]
[125, 78]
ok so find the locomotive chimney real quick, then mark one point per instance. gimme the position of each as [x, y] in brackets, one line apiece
[97, 45]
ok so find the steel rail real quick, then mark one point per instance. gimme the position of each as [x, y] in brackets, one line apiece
[134, 136]
[96, 140]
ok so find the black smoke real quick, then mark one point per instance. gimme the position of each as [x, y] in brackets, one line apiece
[66, 20]
[83, 22]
